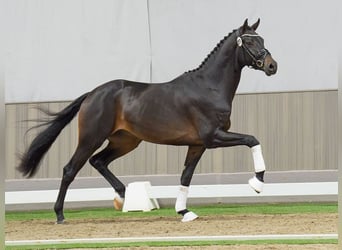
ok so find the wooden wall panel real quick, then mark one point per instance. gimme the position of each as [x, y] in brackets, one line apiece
[297, 131]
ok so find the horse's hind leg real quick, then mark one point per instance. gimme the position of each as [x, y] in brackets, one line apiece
[81, 155]
[119, 144]
[193, 156]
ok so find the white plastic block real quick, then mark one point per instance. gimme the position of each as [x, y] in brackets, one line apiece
[137, 197]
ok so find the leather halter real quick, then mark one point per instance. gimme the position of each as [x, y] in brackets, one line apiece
[257, 60]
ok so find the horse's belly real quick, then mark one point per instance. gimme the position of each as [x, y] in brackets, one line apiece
[165, 133]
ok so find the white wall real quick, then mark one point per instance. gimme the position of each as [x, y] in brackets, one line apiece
[57, 50]
[301, 35]
[60, 49]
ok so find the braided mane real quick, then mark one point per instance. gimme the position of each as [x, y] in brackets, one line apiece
[217, 47]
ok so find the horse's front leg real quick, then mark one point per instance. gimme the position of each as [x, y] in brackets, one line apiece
[222, 138]
[193, 156]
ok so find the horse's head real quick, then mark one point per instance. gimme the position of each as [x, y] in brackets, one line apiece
[252, 51]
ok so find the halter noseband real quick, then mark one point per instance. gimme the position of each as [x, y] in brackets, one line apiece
[256, 63]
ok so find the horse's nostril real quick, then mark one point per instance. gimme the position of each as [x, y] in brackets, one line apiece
[272, 67]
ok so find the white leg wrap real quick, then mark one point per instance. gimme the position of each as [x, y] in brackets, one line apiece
[181, 198]
[259, 163]
[181, 204]
[259, 166]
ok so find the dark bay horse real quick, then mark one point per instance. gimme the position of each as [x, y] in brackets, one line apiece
[194, 110]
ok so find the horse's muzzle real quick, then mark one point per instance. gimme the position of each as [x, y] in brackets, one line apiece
[270, 65]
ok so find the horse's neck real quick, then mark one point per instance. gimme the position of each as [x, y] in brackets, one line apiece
[223, 72]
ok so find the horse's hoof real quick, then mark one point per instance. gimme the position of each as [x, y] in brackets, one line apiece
[59, 222]
[118, 203]
[256, 184]
[189, 216]
[60, 219]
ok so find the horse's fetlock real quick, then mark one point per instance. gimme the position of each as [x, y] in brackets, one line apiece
[260, 176]
[121, 192]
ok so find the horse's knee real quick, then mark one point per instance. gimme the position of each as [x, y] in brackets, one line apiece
[211, 142]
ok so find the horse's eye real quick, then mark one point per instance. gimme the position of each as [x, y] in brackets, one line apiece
[249, 42]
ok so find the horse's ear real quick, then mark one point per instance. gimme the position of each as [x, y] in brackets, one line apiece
[255, 26]
[245, 25]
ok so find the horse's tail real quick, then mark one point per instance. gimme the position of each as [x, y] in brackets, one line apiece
[31, 159]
